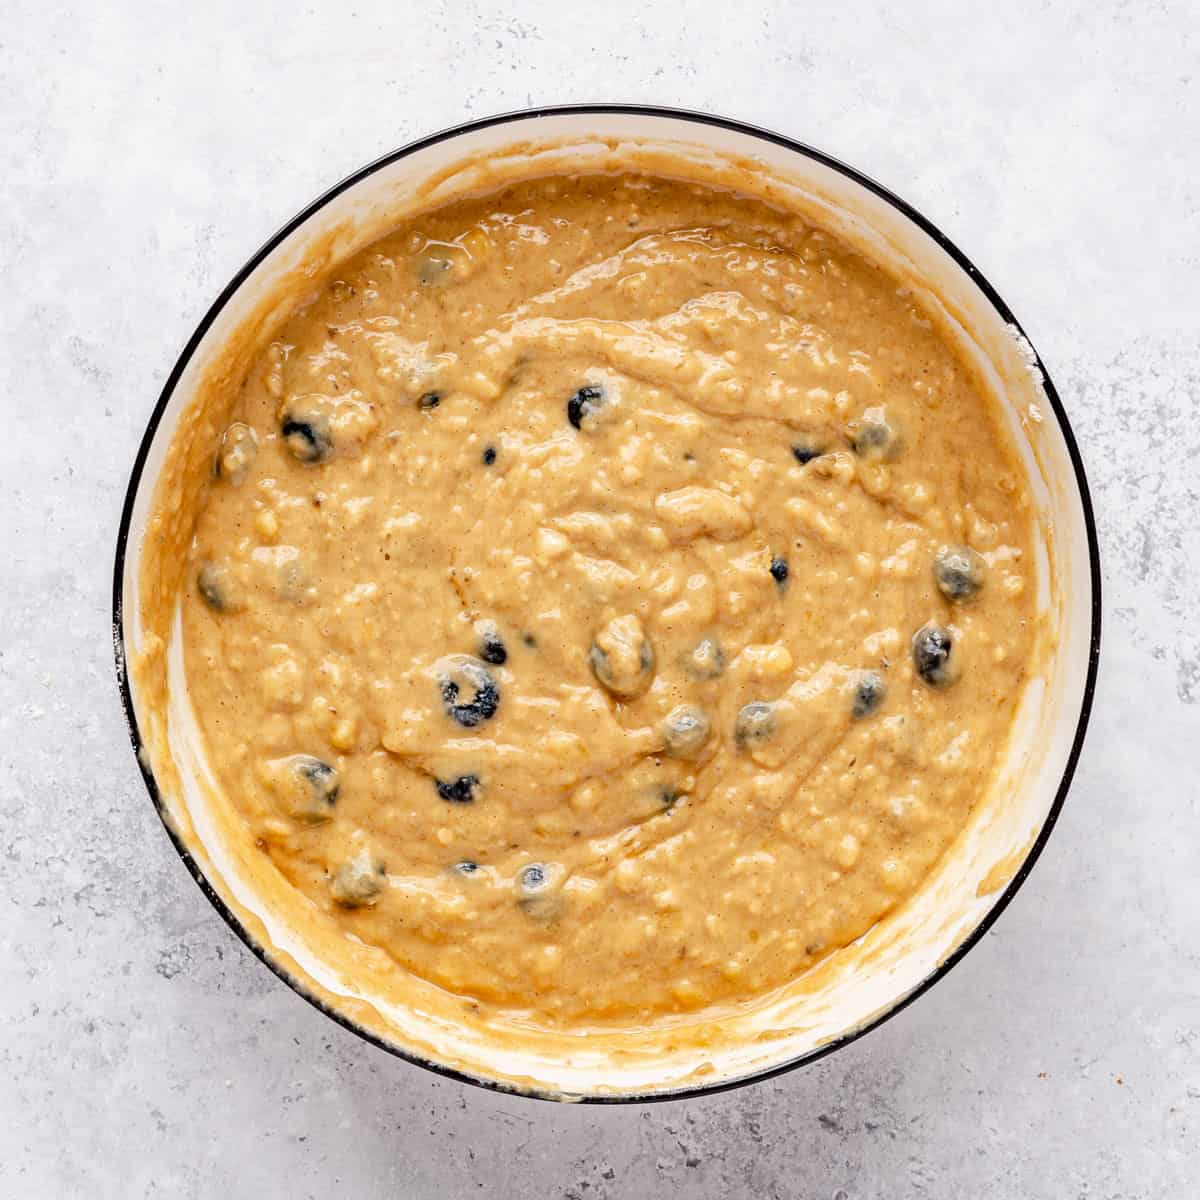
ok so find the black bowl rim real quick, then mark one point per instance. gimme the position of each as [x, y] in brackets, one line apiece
[702, 119]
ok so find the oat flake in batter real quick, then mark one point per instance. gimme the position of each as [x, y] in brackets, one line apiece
[611, 596]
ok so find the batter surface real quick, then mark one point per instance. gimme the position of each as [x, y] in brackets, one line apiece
[611, 596]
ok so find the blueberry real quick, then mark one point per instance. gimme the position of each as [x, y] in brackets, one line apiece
[489, 456]
[869, 693]
[466, 866]
[458, 791]
[622, 658]
[533, 878]
[429, 400]
[755, 723]
[805, 452]
[959, 572]
[308, 786]
[305, 442]
[359, 880]
[320, 775]
[779, 570]
[583, 403]
[459, 673]
[216, 584]
[210, 582]
[239, 445]
[934, 655]
[876, 435]
[306, 432]
[706, 660]
[434, 267]
[491, 647]
[536, 894]
[685, 731]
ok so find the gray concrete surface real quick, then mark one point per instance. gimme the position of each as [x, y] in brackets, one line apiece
[148, 148]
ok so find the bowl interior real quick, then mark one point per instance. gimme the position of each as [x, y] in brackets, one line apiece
[856, 986]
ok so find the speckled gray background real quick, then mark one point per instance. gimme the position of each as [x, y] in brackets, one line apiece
[148, 149]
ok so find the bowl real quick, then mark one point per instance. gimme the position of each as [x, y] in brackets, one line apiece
[854, 989]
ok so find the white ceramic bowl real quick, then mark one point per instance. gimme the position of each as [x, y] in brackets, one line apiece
[902, 956]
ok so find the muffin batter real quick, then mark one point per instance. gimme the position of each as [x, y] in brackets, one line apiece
[611, 596]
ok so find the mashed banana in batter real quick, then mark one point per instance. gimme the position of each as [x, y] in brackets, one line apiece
[610, 597]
